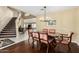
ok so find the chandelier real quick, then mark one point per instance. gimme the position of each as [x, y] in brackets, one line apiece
[46, 18]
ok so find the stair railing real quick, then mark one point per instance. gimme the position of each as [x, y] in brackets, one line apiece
[17, 21]
[17, 24]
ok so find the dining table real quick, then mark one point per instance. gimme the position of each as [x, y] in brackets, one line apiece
[54, 37]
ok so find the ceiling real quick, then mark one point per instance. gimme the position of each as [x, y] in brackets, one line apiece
[36, 10]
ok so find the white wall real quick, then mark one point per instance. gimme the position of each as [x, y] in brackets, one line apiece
[30, 20]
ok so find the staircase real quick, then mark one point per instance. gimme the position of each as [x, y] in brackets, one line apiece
[9, 30]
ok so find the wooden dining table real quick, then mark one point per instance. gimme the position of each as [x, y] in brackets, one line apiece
[53, 37]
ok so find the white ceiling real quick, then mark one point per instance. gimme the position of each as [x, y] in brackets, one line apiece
[36, 10]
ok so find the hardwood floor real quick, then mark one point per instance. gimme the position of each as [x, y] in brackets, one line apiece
[24, 47]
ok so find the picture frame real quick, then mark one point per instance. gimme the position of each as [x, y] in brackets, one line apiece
[52, 22]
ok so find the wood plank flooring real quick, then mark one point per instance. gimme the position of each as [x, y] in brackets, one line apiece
[24, 47]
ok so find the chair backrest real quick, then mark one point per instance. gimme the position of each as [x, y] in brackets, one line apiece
[35, 34]
[52, 31]
[43, 36]
[45, 30]
[30, 30]
[71, 36]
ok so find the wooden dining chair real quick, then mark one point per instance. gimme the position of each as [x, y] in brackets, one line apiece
[52, 31]
[58, 39]
[66, 39]
[29, 35]
[35, 37]
[44, 38]
[45, 30]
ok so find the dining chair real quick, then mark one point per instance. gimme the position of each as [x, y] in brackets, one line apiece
[29, 35]
[66, 40]
[45, 30]
[58, 39]
[44, 38]
[52, 31]
[35, 37]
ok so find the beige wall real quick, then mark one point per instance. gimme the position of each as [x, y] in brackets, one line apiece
[66, 21]
[5, 16]
[77, 25]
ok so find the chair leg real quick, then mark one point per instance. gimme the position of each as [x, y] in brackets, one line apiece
[47, 48]
[39, 45]
[28, 39]
[69, 48]
[53, 47]
[33, 44]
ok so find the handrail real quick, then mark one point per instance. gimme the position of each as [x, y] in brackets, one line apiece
[17, 20]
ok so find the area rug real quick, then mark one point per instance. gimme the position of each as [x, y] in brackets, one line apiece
[6, 42]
